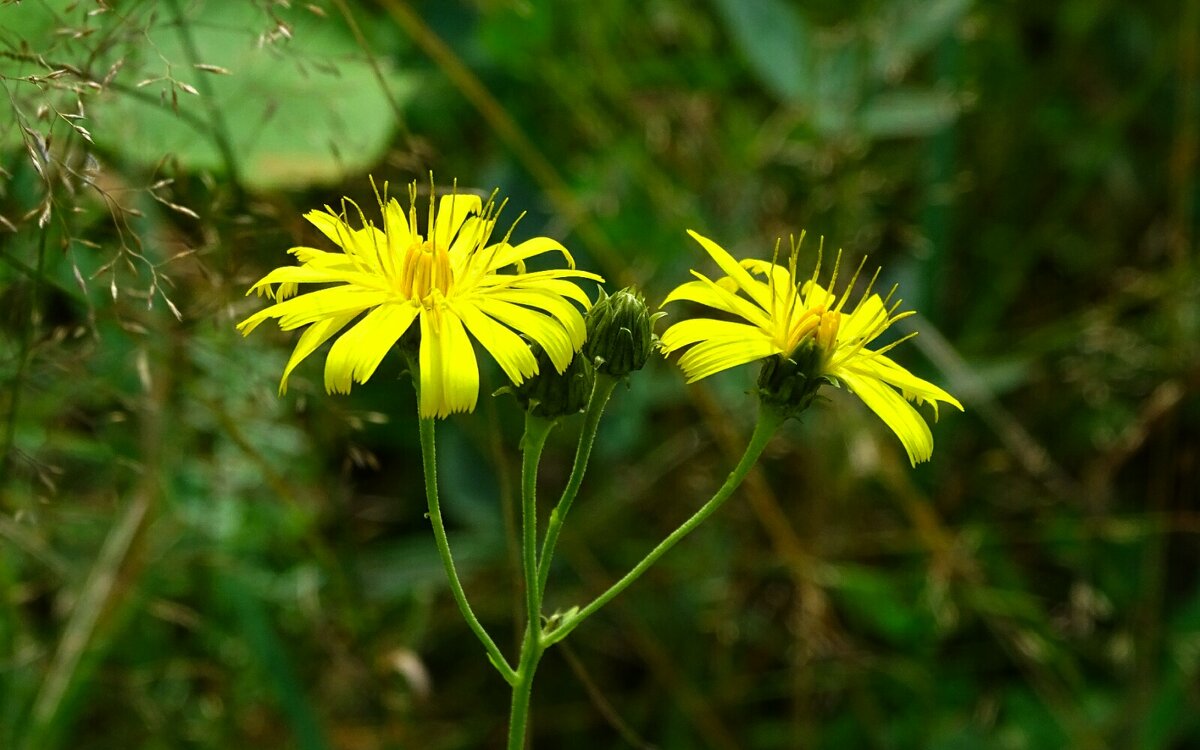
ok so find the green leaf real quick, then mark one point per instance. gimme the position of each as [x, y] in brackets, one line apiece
[911, 29]
[907, 113]
[776, 41]
[297, 111]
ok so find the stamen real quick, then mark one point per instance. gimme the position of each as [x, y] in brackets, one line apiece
[867, 291]
[894, 344]
[850, 286]
[412, 210]
[432, 197]
[829, 293]
[827, 331]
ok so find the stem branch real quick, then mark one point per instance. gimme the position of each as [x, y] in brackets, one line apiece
[768, 422]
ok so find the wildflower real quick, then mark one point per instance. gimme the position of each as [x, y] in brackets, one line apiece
[811, 334]
[619, 336]
[443, 284]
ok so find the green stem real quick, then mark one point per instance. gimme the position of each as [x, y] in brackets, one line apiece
[768, 422]
[601, 390]
[518, 717]
[429, 462]
[536, 432]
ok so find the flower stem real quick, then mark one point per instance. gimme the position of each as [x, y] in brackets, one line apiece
[536, 432]
[429, 462]
[601, 390]
[768, 421]
[518, 718]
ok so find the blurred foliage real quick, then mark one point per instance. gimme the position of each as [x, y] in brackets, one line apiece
[187, 560]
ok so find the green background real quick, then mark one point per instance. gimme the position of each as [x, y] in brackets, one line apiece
[187, 560]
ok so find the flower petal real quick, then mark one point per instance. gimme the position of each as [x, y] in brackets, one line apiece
[503, 254]
[357, 354]
[710, 293]
[449, 371]
[865, 321]
[312, 275]
[506, 347]
[315, 335]
[690, 331]
[758, 291]
[452, 211]
[557, 307]
[314, 258]
[541, 328]
[896, 413]
[314, 306]
[474, 232]
[883, 368]
[714, 355]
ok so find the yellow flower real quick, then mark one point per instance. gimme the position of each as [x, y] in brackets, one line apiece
[449, 283]
[802, 321]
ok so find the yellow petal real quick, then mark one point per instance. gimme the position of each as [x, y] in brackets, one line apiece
[311, 275]
[557, 307]
[883, 368]
[541, 328]
[865, 321]
[310, 256]
[896, 413]
[708, 292]
[506, 347]
[779, 276]
[332, 226]
[758, 291]
[395, 224]
[503, 254]
[357, 354]
[471, 236]
[690, 331]
[399, 237]
[314, 306]
[452, 212]
[562, 288]
[315, 335]
[368, 244]
[714, 355]
[449, 371]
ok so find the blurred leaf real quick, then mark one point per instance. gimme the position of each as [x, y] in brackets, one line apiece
[910, 29]
[839, 85]
[907, 113]
[776, 41]
[300, 111]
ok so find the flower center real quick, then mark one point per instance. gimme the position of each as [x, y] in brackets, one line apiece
[818, 323]
[426, 267]
[827, 330]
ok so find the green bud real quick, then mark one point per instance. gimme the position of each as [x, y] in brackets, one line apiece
[551, 394]
[790, 384]
[619, 337]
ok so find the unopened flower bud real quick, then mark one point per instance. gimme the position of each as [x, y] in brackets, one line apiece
[619, 338]
[789, 384]
[551, 394]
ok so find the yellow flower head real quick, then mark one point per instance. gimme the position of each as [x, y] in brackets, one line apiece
[798, 318]
[450, 281]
